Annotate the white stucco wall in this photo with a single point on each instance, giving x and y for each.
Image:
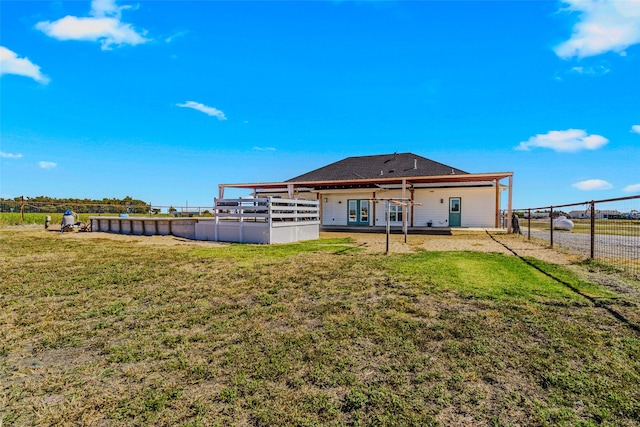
(334, 210)
(477, 206)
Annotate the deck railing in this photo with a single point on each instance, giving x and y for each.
(267, 210)
(265, 220)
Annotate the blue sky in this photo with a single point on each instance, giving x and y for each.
(164, 100)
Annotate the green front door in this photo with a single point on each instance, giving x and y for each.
(455, 212)
(358, 212)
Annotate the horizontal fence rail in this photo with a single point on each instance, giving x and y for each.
(606, 231)
(265, 220)
(267, 209)
(28, 207)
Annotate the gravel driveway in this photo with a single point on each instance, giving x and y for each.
(606, 246)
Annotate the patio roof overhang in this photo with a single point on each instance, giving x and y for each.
(406, 182)
(363, 182)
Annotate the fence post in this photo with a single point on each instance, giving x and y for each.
(593, 228)
(551, 225)
(529, 225)
(22, 209)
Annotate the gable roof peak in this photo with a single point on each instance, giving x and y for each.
(394, 165)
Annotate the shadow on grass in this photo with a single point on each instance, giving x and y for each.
(350, 249)
(619, 316)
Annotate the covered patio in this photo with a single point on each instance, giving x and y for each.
(406, 185)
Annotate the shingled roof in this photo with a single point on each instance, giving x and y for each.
(397, 165)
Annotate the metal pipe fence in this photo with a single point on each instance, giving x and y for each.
(606, 231)
(28, 207)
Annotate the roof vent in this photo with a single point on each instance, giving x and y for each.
(381, 173)
(453, 172)
(415, 163)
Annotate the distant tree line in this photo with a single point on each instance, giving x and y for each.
(46, 204)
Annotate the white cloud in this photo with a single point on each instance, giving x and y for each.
(177, 35)
(5, 155)
(635, 128)
(603, 26)
(570, 140)
(106, 8)
(211, 111)
(634, 188)
(11, 64)
(104, 25)
(593, 184)
(47, 165)
(599, 70)
(264, 148)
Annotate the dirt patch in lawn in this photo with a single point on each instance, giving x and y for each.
(479, 242)
(143, 240)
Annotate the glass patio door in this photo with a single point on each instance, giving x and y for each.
(358, 212)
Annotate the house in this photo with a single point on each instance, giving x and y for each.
(579, 214)
(608, 214)
(603, 214)
(420, 192)
(540, 215)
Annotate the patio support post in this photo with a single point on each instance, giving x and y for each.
(374, 203)
(388, 216)
(497, 221)
(510, 204)
(290, 190)
(412, 191)
(221, 191)
(404, 209)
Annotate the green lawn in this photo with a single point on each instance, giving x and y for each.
(98, 331)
